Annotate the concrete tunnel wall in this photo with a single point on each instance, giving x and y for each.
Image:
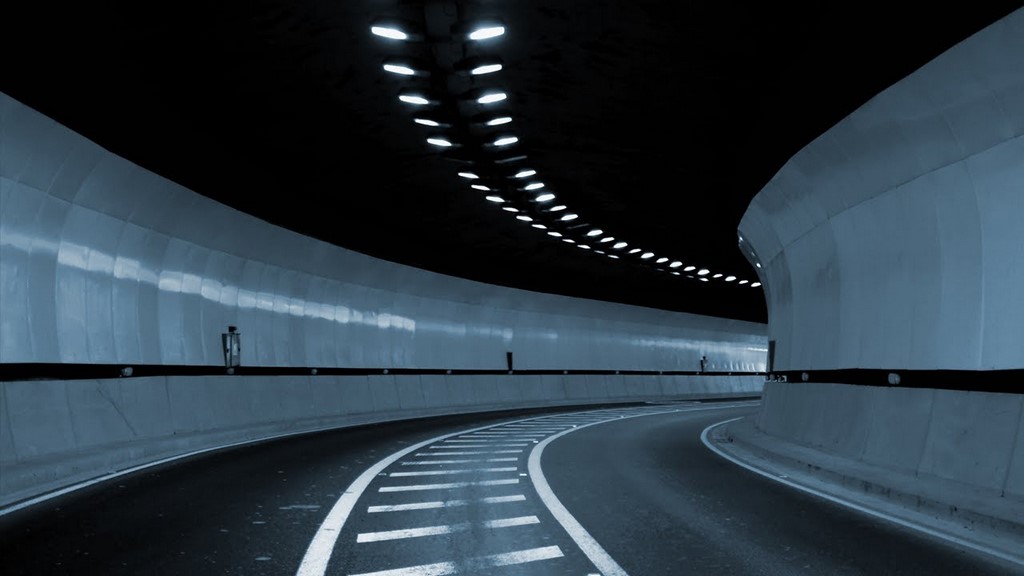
(896, 241)
(104, 262)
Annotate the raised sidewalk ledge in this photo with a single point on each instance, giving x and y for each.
(982, 520)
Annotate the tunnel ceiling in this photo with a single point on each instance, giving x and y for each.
(654, 121)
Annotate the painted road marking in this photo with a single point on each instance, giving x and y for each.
(445, 504)
(318, 553)
(478, 563)
(462, 461)
(443, 529)
(517, 451)
(443, 472)
(448, 485)
(482, 443)
(488, 445)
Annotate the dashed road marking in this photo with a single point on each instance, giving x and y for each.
(462, 461)
(447, 486)
(445, 472)
(445, 504)
(473, 564)
(444, 529)
(472, 453)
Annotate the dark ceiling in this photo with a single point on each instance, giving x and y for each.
(656, 121)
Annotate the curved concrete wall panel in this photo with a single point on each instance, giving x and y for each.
(58, 432)
(894, 240)
(105, 262)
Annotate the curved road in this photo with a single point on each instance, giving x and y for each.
(628, 490)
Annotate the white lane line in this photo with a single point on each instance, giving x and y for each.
(445, 504)
(523, 556)
(517, 451)
(601, 559)
(704, 437)
(577, 532)
(443, 529)
(439, 569)
(478, 563)
(476, 444)
(460, 461)
(445, 472)
(448, 485)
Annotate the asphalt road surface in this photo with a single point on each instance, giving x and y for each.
(628, 490)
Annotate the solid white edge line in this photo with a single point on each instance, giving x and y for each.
(600, 558)
(853, 505)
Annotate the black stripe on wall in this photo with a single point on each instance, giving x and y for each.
(43, 371)
(1005, 381)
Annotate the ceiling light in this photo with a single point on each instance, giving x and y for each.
(634, 250)
(509, 209)
(555, 234)
(647, 255)
(689, 269)
(703, 279)
(534, 186)
(400, 69)
(674, 273)
(485, 69)
(491, 97)
(730, 278)
(606, 239)
(584, 246)
(620, 245)
(497, 199)
(478, 30)
(661, 260)
(703, 272)
(412, 98)
(742, 282)
(569, 240)
(524, 218)
(389, 31)
(499, 121)
(675, 264)
(506, 140)
(558, 208)
(478, 65)
(613, 256)
(525, 173)
(755, 284)
(426, 122)
(468, 175)
(405, 66)
(569, 217)
(485, 32)
(601, 252)
(595, 232)
(439, 142)
(480, 187)
(719, 275)
(540, 226)
(545, 197)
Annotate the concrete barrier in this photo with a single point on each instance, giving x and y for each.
(56, 433)
(973, 438)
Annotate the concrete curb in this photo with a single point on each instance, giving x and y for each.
(984, 520)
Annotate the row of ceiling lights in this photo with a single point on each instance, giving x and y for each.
(477, 115)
